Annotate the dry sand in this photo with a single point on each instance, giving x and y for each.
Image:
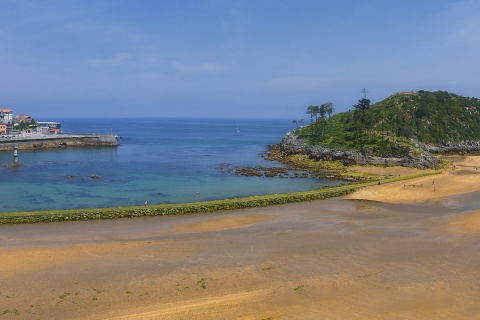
(407, 254)
(463, 178)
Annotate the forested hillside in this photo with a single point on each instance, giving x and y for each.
(392, 127)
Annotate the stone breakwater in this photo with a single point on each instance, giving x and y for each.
(58, 141)
(291, 144)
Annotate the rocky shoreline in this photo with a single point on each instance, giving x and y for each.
(304, 167)
(470, 147)
(291, 144)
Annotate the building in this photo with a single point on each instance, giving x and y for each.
(6, 121)
(24, 118)
(50, 127)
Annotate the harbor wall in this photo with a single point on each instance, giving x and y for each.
(58, 141)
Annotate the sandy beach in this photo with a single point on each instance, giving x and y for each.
(393, 251)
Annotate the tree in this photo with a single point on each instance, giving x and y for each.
(313, 112)
(322, 111)
(329, 111)
(360, 113)
(363, 104)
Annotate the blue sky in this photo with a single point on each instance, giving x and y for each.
(229, 58)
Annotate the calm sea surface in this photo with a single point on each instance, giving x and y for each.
(159, 160)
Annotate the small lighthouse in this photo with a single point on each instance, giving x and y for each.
(15, 156)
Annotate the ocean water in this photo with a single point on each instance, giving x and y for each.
(158, 160)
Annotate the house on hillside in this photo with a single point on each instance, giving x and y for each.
(24, 118)
(24, 124)
(6, 121)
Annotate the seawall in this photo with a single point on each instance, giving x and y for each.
(58, 141)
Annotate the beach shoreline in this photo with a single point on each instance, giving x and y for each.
(338, 258)
(462, 178)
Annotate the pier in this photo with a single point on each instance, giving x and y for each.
(61, 140)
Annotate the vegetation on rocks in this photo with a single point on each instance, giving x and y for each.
(326, 169)
(398, 126)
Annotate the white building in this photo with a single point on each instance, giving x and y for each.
(6, 121)
(6, 116)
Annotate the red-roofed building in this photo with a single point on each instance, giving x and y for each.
(24, 118)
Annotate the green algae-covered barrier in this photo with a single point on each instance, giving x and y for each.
(187, 208)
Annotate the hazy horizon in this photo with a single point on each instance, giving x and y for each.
(227, 59)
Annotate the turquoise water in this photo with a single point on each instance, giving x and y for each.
(158, 160)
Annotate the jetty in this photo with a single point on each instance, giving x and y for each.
(59, 140)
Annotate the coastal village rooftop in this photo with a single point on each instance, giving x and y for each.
(23, 132)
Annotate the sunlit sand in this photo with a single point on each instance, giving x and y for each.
(407, 253)
(463, 178)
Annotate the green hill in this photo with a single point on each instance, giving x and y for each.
(394, 126)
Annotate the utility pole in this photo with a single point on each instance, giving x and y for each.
(364, 91)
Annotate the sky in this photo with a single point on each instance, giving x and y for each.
(229, 58)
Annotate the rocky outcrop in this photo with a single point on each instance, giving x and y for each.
(453, 147)
(291, 144)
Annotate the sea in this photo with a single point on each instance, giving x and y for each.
(159, 160)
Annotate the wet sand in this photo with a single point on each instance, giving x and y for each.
(405, 254)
